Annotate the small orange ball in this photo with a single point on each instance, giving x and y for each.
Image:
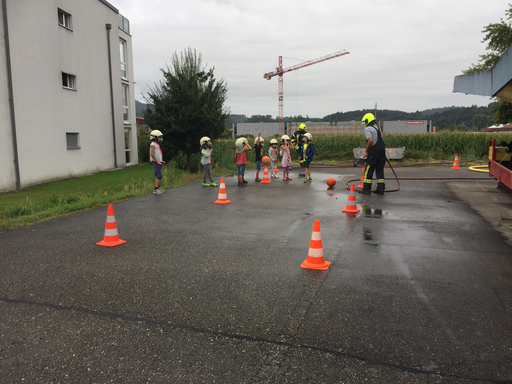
(265, 160)
(331, 181)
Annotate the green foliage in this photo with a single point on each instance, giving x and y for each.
(498, 37)
(503, 112)
(143, 143)
(186, 105)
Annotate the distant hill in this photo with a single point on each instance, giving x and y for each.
(465, 118)
(139, 108)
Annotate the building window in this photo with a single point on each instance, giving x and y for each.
(126, 116)
(64, 19)
(68, 81)
(122, 54)
(72, 140)
(124, 23)
(127, 145)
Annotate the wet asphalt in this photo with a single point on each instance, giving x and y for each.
(419, 289)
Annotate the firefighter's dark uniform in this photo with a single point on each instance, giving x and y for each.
(376, 159)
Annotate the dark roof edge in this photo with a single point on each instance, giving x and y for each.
(110, 6)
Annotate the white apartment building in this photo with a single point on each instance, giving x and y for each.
(66, 91)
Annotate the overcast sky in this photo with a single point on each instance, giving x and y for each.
(404, 54)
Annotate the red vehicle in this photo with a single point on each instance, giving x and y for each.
(142, 127)
(500, 164)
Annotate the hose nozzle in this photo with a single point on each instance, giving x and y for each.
(358, 161)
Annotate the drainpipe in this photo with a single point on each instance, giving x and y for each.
(11, 97)
(109, 27)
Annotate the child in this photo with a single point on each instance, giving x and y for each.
(206, 160)
(286, 160)
(272, 154)
(157, 159)
(258, 147)
(241, 159)
(306, 154)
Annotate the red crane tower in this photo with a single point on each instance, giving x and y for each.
(280, 71)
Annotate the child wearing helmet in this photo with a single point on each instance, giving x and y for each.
(306, 154)
(272, 154)
(157, 159)
(286, 160)
(258, 148)
(206, 161)
(242, 146)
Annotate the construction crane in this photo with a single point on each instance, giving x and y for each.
(280, 71)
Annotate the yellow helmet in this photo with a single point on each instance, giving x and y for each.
(368, 118)
(302, 127)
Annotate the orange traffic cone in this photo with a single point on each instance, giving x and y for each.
(276, 171)
(315, 258)
(456, 162)
(223, 197)
(266, 179)
(111, 238)
(362, 179)
(351, 206)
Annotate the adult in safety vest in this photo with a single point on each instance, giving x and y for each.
(297, 137)
(375, 154)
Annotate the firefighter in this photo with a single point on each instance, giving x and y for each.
(297, 137)
(375, 154)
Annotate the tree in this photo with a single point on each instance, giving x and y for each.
(498, 37)
(480, 121)
(187, 105)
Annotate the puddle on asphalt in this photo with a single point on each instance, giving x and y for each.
(368, 211)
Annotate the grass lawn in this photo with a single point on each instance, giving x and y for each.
(48, 201)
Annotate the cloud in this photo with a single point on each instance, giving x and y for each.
(403, 54)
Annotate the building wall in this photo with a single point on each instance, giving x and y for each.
(7, 174)
(41, 50)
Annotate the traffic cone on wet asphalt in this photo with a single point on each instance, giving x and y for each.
(362, 179)
(223, 197)
(111, 237)
(315, 258)
(266, 179)
(351, 206)
(456, 162)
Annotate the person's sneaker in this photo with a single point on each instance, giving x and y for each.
(257, 180)
(206, 185)
(305, 180)
(163, 190)
(288, 179)
(242, 185)
(214, 184)
(157, 191)
(310, 179)
(245, 181)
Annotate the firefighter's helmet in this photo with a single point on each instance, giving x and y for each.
(204, 139)
(368, 118)
(262, 140)
(155, 134)
(285, 137)
(239, 143)
(309, 136)
(273, 141)
(302, 127)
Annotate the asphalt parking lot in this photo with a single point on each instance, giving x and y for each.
(419, 289)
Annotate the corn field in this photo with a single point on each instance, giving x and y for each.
(437, 146)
